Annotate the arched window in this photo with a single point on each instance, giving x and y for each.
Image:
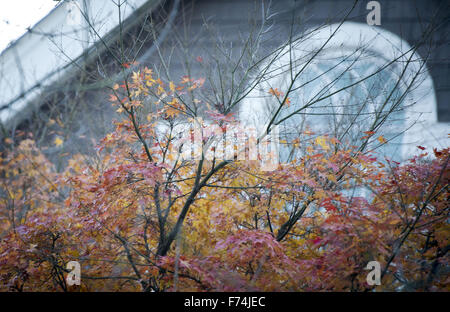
(344, 80)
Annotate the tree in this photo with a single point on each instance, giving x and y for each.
(138, 216)
(154, 209)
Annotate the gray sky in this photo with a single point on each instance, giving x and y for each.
(17, 15)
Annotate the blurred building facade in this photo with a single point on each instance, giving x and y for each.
(53, 78)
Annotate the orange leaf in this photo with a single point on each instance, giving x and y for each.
(381, 139)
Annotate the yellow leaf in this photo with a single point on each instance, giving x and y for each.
(159, 90)
(171, 112)
(135, 76)
(60, 123)
(58, 141)
(332, 178)
(321, 141)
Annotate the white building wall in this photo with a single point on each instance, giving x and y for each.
(43, 55)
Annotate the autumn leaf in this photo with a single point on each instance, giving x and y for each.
(275, 92)
(185, 79)
(287, 102)
(172, 86)
(58, 141)
(381, 139)
(160, 90)
(322, 142)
